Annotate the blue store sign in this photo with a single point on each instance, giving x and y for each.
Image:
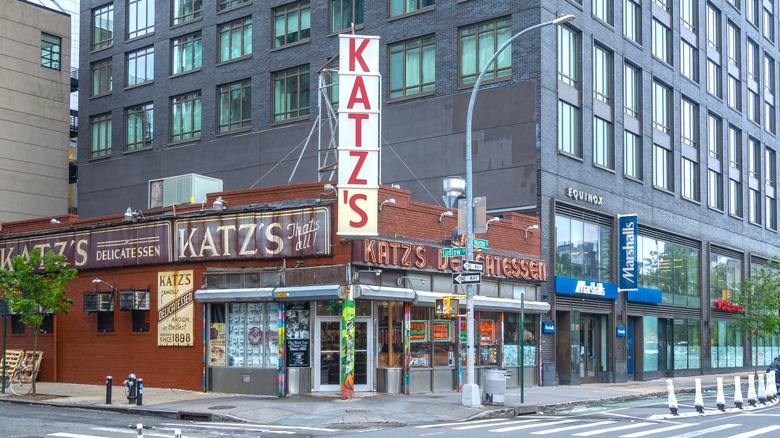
(548, 327)
(620, 332)
(645, 295)
(627, 239)
(585, 288)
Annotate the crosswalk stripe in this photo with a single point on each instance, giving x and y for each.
(528, 426)
(756, 432)
(653, 431)
(564, 429)
(613, 429)
(72, 435)
(706, 431)
(429, 426)
(477, 426)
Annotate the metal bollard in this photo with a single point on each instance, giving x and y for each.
(109, 379)
(140, 388)
(177, 433)
(139, 430)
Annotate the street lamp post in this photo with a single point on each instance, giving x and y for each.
(470, 395)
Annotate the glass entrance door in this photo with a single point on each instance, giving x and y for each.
(328, 343)
(589, 349)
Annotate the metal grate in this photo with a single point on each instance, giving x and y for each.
(653, 233)
(663, 310)
(583, 215)
(246, 378)
(727, 252)
(587, 305)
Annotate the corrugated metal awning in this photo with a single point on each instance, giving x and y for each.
(384, 293)
(488, 304)
(324, 292)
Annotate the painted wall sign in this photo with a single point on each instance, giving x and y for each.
(412, 255)
(579, 195)
(175, 317)
(627, 269)
(130, 245)
(359, 122)
(585, 288)
(261, 235)
(620, 332)
(548, 327)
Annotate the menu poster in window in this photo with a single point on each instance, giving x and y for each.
(297, 334)
(418, 331)
(298, 353)
(441, 330)
(217, 344)
(487, 335)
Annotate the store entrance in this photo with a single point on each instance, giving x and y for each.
(589, 349)
(328, 344)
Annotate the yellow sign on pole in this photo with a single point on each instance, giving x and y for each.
(175, 304)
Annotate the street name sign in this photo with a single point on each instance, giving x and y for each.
(453, 252)
(479, 243)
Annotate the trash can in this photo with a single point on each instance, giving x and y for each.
(495, 386)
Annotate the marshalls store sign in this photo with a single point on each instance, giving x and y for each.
(359, 122)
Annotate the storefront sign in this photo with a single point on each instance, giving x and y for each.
(217, 344)
(442, 330)
(728, 306)
(548, 327)
(412, 255)
(579, 195)
(297, 339)
(115, 247)
(175, 319)
(263, 235)
(487, 332)
(620, 332)
(359, 122)
(418, 331)
(585, 288)
(645, 295)
(627, 233)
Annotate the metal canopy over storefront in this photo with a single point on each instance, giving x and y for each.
(487, 304)
(324, 292)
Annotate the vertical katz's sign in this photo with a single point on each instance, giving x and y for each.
(359, 123)
(175, 317)
(627, 275)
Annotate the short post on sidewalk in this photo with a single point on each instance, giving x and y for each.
(140, 388)
(109, 379)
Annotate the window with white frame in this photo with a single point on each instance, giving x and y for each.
(603, 143)
(632, 89)
(602, 74)
(632, 20)
(661, 41)
(632, 155)
(690, 180)
(661, 107)
(569, 129)
(568, 56)
(689, 123)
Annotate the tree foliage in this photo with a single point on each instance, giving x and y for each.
(34, 286)
(760, 297)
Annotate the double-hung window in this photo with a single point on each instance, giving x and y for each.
(140, 129)
(568, 56)
(186, 10)
(478, 43)
(412, 67)
(185, 117)
(101, 77)
(140, 66)
(401, 7)
(292, 23)
(101, 135)
(234, 106)
(291, 93)
(103, 27)
(140, 18)
(344, 13)
(186, 53)
(235, 39)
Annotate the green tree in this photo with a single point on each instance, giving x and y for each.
(760, 298)
(34, 286)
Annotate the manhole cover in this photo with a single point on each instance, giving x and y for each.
(219, 408)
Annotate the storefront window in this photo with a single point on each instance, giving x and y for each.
(390, 339)
(672, 268)
(488, 339)
(768, 349)
(334, 308)
(725, 276)
(726, 345)
(686, 352)
(582, 249)
(650, 345)
(244, 335)
(513, 339)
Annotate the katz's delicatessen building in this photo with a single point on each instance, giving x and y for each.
(264, 297)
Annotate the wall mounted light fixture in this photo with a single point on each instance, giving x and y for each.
(386, 201)
(532, 228)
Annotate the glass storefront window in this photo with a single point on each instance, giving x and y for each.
(582, 249)
(768, 349)
(725, 276)
(650, 343)
(390, 339)
(686, 352)
(672, 268)
(432, 340)
(244, 335)
(726, 345)
(513, 339)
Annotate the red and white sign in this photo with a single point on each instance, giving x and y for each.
(359, 127)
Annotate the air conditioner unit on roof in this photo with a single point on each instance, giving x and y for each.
(181, 189)
(134, 300)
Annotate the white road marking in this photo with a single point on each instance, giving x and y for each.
(706, 431)
(613, 429)
(756, 432)
(477, 426)
(564, 429)
(73, 435)
(248, 426)
(529, 425)
(663, 429)
(429, 426)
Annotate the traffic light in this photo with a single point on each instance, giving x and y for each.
(442, 306)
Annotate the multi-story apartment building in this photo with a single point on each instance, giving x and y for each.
(663, 109)
(34, 94)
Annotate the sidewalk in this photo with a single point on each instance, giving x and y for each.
(365, 410)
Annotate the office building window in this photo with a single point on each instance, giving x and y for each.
(227, 4)
(582, 249)
(715, 189)
(770, 160)
(292, 23)
(752, 60)
(343, 13)
(661, 108)
(632, 90)
(663, 4)
(734, 93)
(186, 53)
(754, 158)
(751, 11)
(103, 27)
(291, 93)
(713, 27)
(185, 117)
(661, 42)
(753, 107)
(234, 106)
(768, 25)
(101, 77)
(674, 269)
(186, 10)
(771, 213)
(771, 188)
(140, 66)
(735, 198)
(769, 118)
(632, 155)
(689, 61)
(714, 136)
(734, 3)
(401, 7)
(662, 168)
(140, 18)
(568, 56)
(734, 44)
(101, 135)
(477, 45)
(602, 9)
(569, 129)
(690, 180)
(735, 147)
(140, 129)
(235, 39)
(713, 78)
(769, 76)
(689, 123)
(412, 67)
(603, 143)
(632, 20)
(51, 51)
(602, 74)
(688, 14)
(754, 206)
